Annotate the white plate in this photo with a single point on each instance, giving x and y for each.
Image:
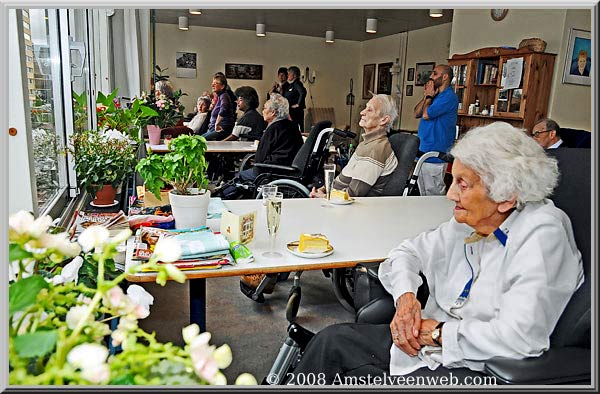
(342, 202)
(115, 202)
(292, 247)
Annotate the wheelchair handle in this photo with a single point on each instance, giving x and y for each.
(344, 133)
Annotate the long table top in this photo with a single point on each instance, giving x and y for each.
(215, 147)
(361, 232)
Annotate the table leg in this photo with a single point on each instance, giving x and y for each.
(198, 302)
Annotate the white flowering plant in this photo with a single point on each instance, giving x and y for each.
(60, 329)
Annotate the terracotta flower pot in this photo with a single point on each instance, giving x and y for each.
(105, 196)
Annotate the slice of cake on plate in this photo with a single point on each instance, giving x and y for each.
(339, 195)
(313, 243)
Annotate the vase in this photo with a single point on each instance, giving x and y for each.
(105, 196)
(189, 211)
(154, 134)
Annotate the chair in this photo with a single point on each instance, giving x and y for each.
(574, 138)
(568, 361)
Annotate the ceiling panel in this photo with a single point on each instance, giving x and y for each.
(348, 24)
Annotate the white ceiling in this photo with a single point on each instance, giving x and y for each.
(348, 24)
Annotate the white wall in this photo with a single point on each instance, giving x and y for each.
(334, 63)
(570, 105)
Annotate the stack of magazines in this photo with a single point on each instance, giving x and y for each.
(200, 247)
(113, 221)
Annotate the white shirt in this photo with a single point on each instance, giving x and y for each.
(519, 290)
(196, 121)
(556, 144)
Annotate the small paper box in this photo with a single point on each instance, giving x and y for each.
(238, 227)
(150, 200)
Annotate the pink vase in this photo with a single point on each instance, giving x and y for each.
(154, 134)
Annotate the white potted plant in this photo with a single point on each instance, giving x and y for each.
(184, 168)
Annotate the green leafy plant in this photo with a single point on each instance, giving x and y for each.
(169, 110)
(128, 120)
(183, 167)
(101, 159)
(59, 332)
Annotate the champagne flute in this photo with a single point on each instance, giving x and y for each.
(329, 177)
(266, 191)
(274, 202)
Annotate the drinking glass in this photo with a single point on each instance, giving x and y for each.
(266, 191)
(329, 177)
(274, 202)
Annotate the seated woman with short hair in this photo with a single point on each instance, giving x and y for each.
(200, 121)
(500, 273)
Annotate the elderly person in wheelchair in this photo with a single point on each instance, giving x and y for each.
(373, 163)
(500, 273)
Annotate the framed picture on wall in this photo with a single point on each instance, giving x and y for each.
(410, 74)
(186, 64)
(423, 71)
(384, 78)
(368, 80)
(243, 71)
(578, 59)
(409, 90)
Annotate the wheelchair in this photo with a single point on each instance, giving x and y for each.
(567, 361)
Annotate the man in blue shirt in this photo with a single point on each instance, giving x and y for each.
(437, 129)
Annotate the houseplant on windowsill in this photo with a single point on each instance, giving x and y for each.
(182, 168)
(102, 161)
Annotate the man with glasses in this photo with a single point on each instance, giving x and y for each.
(546, 132)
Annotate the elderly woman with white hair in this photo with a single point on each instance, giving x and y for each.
(372, 164)
(500, 273)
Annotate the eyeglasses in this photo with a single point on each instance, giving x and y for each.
(537, 133)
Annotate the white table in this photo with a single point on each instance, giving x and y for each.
(364, 231)
(215, 147)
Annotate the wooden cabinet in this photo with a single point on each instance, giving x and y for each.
(482, 76)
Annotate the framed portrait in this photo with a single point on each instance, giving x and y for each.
(186, 64)
(243, 71)
(578, 59)
(410, 74)
(368, 80)
(409, 90)
(423, 71)
(384, 78)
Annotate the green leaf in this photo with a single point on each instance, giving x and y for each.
(36, 344)
(17, 253)
(123, 379)
(23, 293)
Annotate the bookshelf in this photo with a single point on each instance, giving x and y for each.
(478, 75)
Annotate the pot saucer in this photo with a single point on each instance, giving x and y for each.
(115, 202)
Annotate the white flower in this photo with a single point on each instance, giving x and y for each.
(97, 374)
(70, 272)
(83, 299)
(138, 295)
(246, 379)
(121, 236)
(118, 336)
(113, 134)
(93, 236)
(20, 222)
(40, 226)
(220, 379)
(75, 314)
(223, 356)
(116, 297)
(167, 250)
(175, 273)
(201, 354)
(87, 356)
(190, 332)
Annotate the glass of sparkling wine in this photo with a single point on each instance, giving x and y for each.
(266, 191)
(329, 177)
(274, 202)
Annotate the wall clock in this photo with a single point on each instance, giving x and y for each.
(499, 14)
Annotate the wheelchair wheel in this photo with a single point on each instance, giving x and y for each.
(290, 188)
(247, 162)
(343, 287)
(293, 304)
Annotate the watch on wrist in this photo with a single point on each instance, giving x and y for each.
(436, 334)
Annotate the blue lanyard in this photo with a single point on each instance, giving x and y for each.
(464, 295)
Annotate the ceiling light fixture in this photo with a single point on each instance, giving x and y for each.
(434, 13)
(371, 25)
(195, 11)
(261, 29)
(329, 36)
(183, 23)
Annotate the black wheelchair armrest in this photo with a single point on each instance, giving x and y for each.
(278, 167)
(379, 311)
(556, 366)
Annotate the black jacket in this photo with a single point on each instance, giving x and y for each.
(296, 94)
(279, 144)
